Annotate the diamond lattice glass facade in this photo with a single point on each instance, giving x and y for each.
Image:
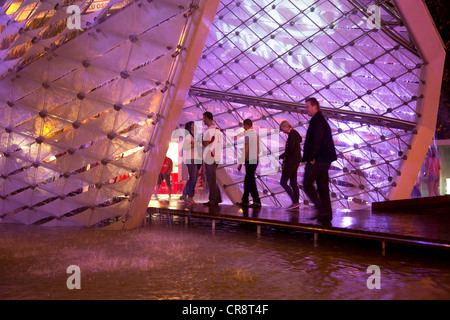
(86, 111)
(81, 108)
(263, 59)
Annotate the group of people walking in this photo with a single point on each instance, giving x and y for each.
(318, 154)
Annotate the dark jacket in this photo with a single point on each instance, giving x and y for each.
(292, 153)
(319, 143)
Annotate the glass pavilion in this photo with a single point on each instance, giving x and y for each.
(87, 112)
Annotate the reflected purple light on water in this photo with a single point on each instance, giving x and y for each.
(175, 262)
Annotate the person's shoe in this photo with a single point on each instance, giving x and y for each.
(325, 221)
(325, 218)
(191, 201)
(183, 198)
(215, 204)
(293, 206)
(211, 203)
(322, 216)
(243, 204)
(256, 205)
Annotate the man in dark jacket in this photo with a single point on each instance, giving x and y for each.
(291, 160)
(319, 152)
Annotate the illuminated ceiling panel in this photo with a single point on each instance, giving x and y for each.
(263, 59)
(289, 50)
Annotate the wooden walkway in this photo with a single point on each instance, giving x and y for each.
(429, 228)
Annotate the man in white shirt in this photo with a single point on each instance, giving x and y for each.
(250, 159)
(212, 154)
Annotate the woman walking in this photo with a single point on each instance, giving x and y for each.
(191, 163)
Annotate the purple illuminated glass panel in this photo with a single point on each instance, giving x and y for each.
(291, 50)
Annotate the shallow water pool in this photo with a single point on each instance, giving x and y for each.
(178, 261)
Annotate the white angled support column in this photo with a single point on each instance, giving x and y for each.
(183, 75)
(430, 46)
(228, 185)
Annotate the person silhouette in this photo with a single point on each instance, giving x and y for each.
(432, 168)
(319, 152)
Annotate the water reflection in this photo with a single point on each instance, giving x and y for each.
(250, 212)
(189, 262)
